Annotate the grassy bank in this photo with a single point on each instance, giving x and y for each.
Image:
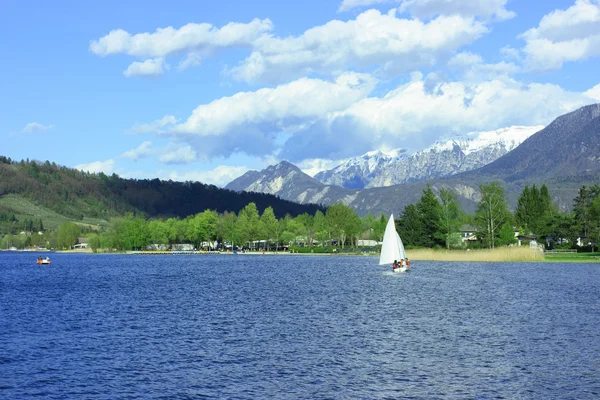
(574, 257)
(484, 255)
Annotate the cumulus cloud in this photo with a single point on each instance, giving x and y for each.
(96, 167)
(194, 41)
(373, 39)
(219, 176)
(142, 151)
(315, 165)
(191, 37)
(474, 68)
(150, 67)
(311, 119)
(429, 8)
(412, 117)
(564, 35)
(286, 107)
(177, 155)
(35, 127)
(155, 126)
(594, 93)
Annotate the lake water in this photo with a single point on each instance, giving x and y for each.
(249, 327)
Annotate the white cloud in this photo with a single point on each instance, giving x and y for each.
(96, 167)
(177, 155)
(429, 8)
(373, 39)
(155, 126)
(143, 150)
(191, 60)
(315, 165)
(474, 69)
(594, 93)
(564, 35)
(315, 119)
(285, 107)
(219, 176)
(465, 59)
(193, 41)
(411, 116)
(150, 67)
(34, 127)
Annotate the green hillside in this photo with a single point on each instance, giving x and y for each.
(33, 190)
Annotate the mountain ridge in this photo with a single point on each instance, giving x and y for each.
(578, 132)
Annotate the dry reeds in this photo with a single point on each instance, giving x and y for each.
(484, 255)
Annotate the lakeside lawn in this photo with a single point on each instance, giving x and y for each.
(573, 257)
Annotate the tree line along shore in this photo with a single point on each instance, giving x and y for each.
(434, 222)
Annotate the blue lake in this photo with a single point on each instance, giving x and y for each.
(248, 327)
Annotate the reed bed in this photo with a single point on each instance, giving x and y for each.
(484, 255)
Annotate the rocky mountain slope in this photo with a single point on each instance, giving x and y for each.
(444, 158)
(564, 155)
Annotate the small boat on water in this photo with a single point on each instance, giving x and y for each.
(392, 249)
(41, 260)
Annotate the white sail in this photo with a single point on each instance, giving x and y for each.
(392, 248)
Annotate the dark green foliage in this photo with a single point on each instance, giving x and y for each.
(430, 212)
(492, 213)
(582, 208)
(74, 194)
(534, 210)
(410, 226)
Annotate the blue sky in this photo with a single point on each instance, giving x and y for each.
(204, 90)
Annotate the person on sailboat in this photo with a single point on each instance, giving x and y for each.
(401, 262)
(407, 263)
(395, 265)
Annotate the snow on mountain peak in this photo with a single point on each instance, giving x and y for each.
(510, 137)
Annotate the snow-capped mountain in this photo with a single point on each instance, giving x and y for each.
(357, 173)
(443, 158)
(564, 155)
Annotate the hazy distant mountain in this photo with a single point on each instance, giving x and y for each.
(564, 155)
(444, 158)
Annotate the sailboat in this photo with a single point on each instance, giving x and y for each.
(392, 248)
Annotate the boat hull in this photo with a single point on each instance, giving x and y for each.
(401, 269)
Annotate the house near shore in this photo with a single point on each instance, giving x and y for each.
(82, 244)
(468, 234)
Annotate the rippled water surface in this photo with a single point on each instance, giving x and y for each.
(128, 327)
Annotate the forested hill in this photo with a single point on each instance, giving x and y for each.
(78, 194)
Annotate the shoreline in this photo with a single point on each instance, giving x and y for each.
(503, 255)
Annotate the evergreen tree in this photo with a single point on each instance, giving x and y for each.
(582, 208)
(410, 226)
(429, 211)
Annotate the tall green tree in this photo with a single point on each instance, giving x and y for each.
(492, 212)
(430, 211)
(379, 228)
(321, 227)
(449, 216)
(271, 226)
(227, 227)
(157, 231)
(68, 233)
(249, 226)
(582, 208)
(134, 233)
(410, 226)
(337, 216)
